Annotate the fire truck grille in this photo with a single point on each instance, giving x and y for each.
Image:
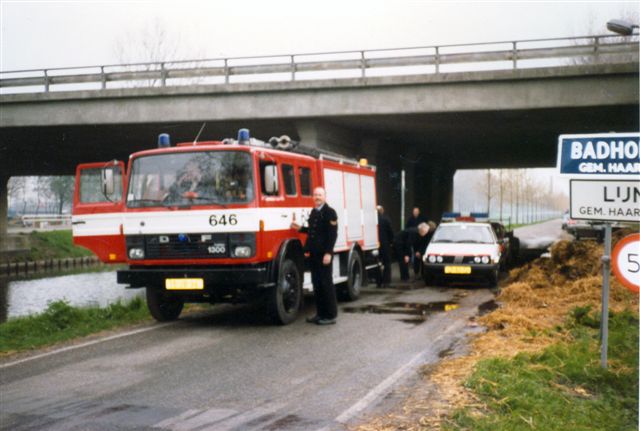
(183, 246)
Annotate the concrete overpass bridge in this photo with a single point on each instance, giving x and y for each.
(428, 110)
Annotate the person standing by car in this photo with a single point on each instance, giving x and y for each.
(322, 232)
(413, 221)
(385, 236)
(408, 240)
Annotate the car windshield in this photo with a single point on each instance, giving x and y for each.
(463, 234)
(196, 178)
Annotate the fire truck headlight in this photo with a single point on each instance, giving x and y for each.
(432, 258)
(242, 245)
(242, 251)
(485, 259)
(136, 253)
(440, 259)
(477, 259)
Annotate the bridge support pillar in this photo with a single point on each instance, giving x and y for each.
(434, 189)
(387, 176)
(4, 205)
(326, 136)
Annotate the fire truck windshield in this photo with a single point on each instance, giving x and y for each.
(196, 178)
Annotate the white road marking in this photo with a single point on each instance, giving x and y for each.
(383, 387)
(88, 343)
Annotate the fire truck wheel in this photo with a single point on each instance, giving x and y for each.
(163, 309)
(351, 290)
(285, 297)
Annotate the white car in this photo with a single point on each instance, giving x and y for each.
(462, 251)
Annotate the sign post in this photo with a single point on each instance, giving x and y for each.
(604, 172)
(604, 321)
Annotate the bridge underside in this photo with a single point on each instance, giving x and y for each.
(464, 140)
(430, 147)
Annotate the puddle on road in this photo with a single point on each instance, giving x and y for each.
(419, 312)
(487, 307)
(445, 353)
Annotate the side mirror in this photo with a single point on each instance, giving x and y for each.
(271, 179)
(108, 182)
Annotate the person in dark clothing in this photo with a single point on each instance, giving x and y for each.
(413, 221)
(322, 232)
(408, 240)
(385, 237)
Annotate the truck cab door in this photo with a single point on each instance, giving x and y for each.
(98, 203)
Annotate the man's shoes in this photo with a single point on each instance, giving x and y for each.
(313, 319)
(326, 322)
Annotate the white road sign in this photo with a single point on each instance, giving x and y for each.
(605, 200)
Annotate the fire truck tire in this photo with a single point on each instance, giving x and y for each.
(350, 291)
(163, 309)
(285, 298)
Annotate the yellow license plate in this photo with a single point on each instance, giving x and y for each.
(184, 284)
(457, 269)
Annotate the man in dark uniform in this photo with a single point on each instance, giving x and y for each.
(413, 221)
(385, 236)
(408, 240)
(321, 237)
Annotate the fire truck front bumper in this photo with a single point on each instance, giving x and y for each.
(258, 275)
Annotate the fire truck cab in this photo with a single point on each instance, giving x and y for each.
(210, 222)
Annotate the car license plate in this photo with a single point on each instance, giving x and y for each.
(457, 269)
(184, 283)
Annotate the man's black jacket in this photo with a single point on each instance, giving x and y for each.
(410, 238)
(385, 231)
(322, 231)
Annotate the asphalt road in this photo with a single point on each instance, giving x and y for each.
(541, 235)
(226, 369)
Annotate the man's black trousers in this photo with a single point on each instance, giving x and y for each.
(323, 289)
(385, 257)
(404, 269)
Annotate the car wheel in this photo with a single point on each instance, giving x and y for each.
(285, 298)
(493, 278)
(161, 307)
(355, 276)
(427, 277)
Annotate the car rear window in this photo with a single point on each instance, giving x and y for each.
(463, 234)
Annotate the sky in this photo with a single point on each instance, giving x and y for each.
(47, 34)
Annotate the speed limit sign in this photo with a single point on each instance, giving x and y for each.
(626, 262)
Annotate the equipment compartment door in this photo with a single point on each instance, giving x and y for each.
(97, 217)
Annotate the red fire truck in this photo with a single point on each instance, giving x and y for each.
(210, 221)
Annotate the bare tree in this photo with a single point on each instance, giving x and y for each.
(152, 48)
(17, 190)
(597, 28)
(61, 188)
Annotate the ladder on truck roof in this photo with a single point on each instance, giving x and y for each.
(321, 154)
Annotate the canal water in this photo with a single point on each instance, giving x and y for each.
(80, 289)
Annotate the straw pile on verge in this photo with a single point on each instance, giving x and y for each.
(534, 304)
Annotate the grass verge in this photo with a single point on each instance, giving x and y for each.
(563, 387)
(529, 335)
(57, 244)
(62, 322)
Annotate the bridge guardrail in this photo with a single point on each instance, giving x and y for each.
(364, 63)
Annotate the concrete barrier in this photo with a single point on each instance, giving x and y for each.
(32, 267)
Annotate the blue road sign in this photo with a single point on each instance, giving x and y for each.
(609, 154)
